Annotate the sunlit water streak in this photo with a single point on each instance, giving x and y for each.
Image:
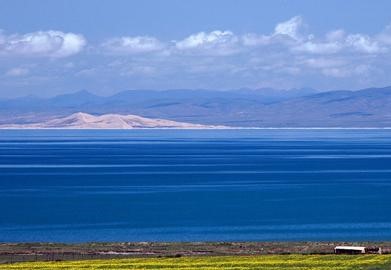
(176, 185)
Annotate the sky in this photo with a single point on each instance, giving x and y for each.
(54, 47)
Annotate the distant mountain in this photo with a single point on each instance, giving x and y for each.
(107, 121)
(242, 108)
(200, 106)
(364, 108)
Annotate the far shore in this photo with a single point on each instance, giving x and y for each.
(211, 128)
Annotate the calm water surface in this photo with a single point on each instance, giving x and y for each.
(176, 185)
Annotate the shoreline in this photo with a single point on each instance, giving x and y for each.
(224, 128)
(27, 252)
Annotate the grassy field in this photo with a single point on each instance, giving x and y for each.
(260, 262)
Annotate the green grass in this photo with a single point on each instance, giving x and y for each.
(261, 262)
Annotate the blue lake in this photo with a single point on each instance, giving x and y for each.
(195, 185)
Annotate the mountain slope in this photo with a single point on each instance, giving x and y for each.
(364, 108)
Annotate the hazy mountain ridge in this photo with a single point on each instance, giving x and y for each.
(243, 108)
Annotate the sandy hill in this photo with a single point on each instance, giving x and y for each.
(107, 121)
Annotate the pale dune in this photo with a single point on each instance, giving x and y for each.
(107, 121)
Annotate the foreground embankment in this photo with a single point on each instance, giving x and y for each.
(31, 252)
(259, 262)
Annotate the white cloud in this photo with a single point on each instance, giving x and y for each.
(87, 72)
(346, 71)
(337, 67)
(216, 42)
(203, 39)
(287, 52)
(335, 35)
(287, 37)
(336, 72)
(333, 43)
(17, 72)
(139, 71)
(133, 45)
(290, 28)
(252, 39)
(385, 36)
(284, 33)
(338, 41)
(42, 44)
(363, 43)
(324, 62)
(319, 47)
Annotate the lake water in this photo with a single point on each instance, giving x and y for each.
(195, 185)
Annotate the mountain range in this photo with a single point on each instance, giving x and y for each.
(237, 108)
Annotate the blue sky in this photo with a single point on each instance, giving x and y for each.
(52, 47)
